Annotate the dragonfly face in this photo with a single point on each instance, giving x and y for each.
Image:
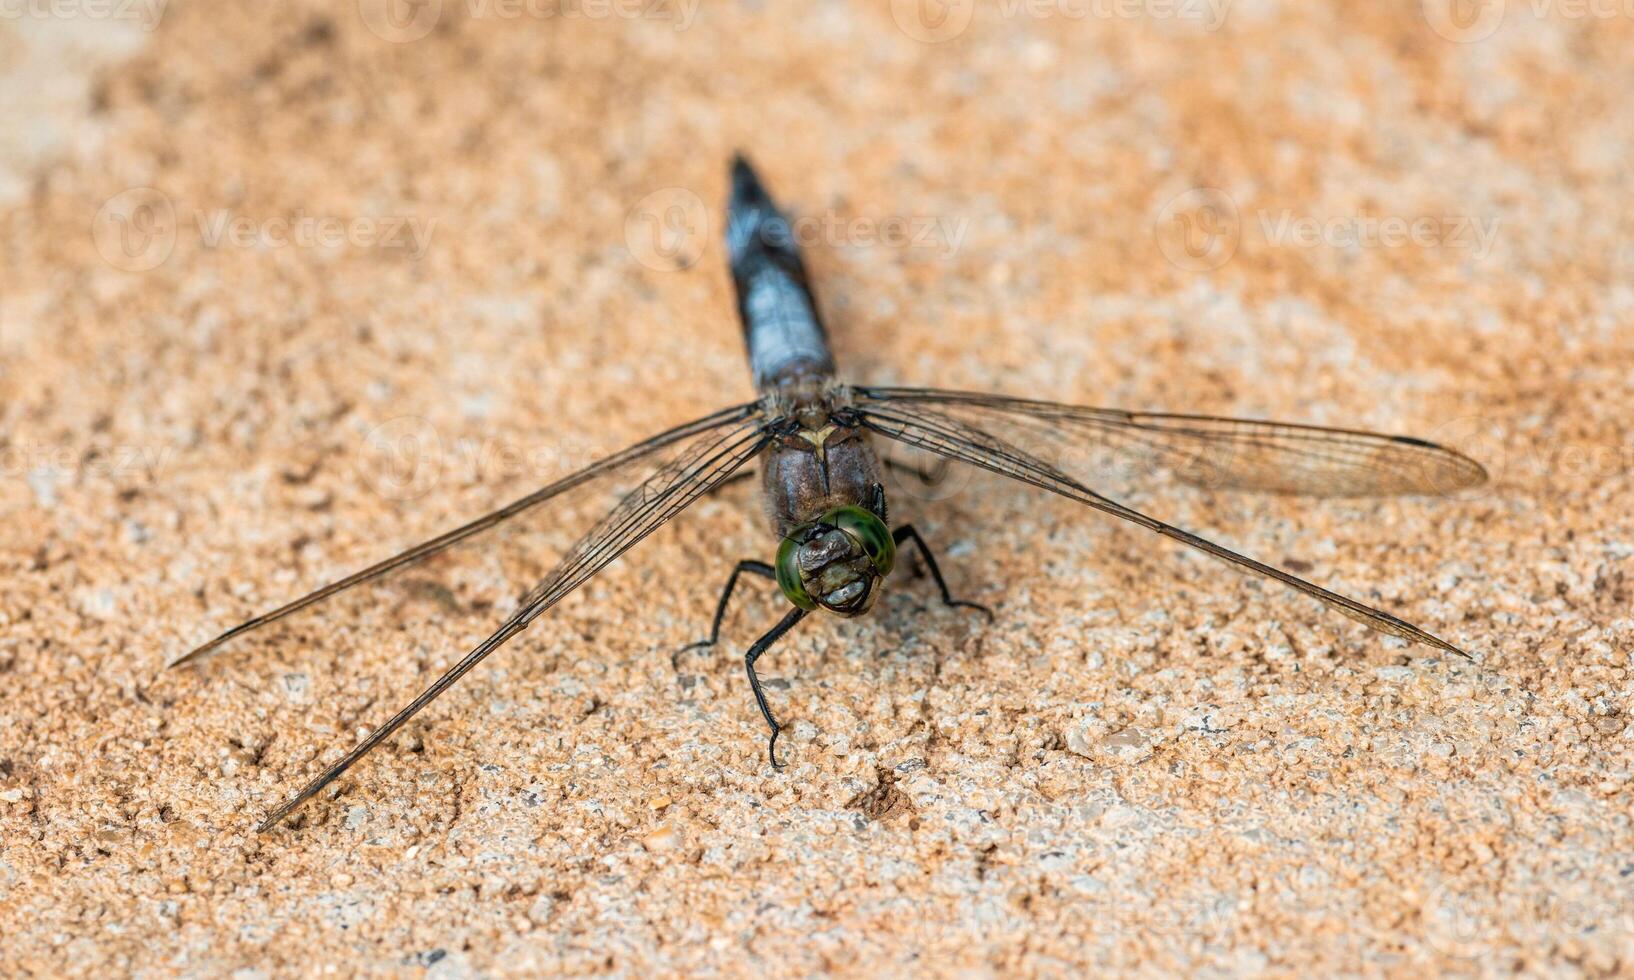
(836, 562)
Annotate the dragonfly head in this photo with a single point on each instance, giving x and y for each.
(836, 561)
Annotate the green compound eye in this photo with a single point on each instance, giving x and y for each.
(788, 576)
(870, 532)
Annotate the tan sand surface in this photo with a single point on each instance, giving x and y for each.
(284, 286)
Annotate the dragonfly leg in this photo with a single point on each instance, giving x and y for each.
(907, 533)
(747, 565)
(761, 646)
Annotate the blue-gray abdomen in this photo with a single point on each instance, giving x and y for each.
(785, 335)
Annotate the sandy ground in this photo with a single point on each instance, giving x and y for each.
(287, 286)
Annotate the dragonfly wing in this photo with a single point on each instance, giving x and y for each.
(917, 424)
(1203, 450)
(611, 467)
(707, 462)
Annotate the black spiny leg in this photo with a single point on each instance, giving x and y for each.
(760, 647)
(907, 533)
(747, 565)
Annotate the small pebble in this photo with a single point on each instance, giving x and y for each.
(662, 838)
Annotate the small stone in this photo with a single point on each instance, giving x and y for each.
(662, 838)
(540, 911)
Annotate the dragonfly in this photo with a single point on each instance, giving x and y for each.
(822, 483)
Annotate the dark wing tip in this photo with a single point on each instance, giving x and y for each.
(1441, 644)
(198, 653)
(1460, 472)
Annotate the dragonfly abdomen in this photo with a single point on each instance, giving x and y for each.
(785, 335)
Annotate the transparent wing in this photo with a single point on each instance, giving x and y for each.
(916, 424)
(706, 463)
(600, 473)
(1202, 450)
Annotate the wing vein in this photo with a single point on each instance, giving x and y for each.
(668, 491)
(1216, 452)
(949, 437)
(448, 539)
